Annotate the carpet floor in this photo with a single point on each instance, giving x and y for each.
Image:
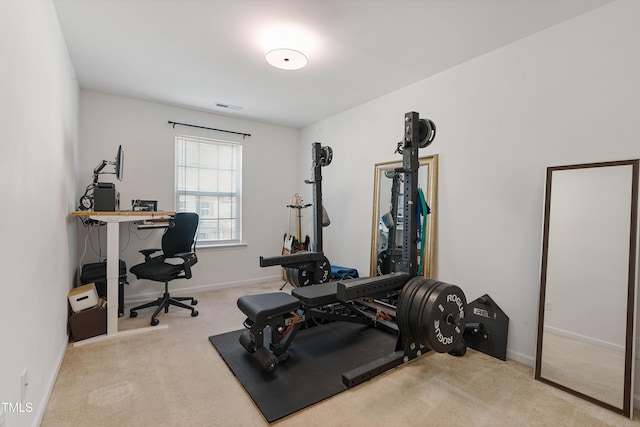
(175, 377)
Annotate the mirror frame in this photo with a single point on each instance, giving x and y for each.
(430, 189)
(627, 404)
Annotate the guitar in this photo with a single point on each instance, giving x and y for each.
(293, 243)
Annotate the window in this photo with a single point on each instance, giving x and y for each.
(209, 182)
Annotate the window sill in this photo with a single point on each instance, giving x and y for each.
(234, 245)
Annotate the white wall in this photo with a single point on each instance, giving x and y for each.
(38, 157)
(269, 178)
(566, 95)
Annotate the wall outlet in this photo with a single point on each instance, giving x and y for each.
(548, 305)
(24, 382)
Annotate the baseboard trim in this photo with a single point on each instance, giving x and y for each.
(584, 338)
(525, 359)
(139, 298)
(51, 382)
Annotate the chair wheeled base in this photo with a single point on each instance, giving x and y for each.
(164, 302)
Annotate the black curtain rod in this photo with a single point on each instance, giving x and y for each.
(244, 135)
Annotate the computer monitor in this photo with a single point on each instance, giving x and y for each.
(119, 163)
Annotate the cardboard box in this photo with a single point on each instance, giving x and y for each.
(83, 297)
(90, 322)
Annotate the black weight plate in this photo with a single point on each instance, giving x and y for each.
(323, 271)
(293, 276)
(404, 303)
(410, 310)
(418, 306)
(304, 277)
(421, 310)
(426, 133)
(415, 297)
(444, 318)
(426, 314)
(454, 318)
(326, 156)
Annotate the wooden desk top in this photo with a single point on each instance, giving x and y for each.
(124, 213)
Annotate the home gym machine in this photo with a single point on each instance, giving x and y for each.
(305, 268)
(424, 314)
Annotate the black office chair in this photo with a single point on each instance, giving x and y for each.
(178, 242)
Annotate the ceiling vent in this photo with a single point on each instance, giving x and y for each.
(228, 106)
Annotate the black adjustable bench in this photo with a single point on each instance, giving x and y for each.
(317, 295)
(280, 315)
(348, 290)
(277, 314)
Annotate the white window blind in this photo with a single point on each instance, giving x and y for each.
(209, 182)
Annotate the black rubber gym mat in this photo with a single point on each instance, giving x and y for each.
(317, 358)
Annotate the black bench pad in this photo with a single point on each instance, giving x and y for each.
(317, 295)
(262, 307)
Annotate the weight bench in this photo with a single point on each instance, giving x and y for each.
(317, 295)
(349, 290)
(273, 319)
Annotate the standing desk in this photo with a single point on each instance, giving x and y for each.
(113, 220)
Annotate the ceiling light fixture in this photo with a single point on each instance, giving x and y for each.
(286, 59)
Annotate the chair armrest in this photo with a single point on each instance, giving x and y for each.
(189, 259)
(147, 253)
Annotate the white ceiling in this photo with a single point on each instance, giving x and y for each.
(196, 53)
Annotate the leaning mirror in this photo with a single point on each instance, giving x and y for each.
(588, 281)
(386, 242)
